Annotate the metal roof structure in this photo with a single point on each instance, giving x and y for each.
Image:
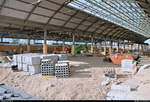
(62, 18)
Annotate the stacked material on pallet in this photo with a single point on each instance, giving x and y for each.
(28, 62)
(8, 93)
(31, 64)
(62, 69)
(48, 65)
(34, 63)
(128, 65)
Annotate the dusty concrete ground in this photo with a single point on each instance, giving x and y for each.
(84, 83)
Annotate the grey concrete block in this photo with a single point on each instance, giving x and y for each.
(121, 87)
(34, 69)
(2, 90)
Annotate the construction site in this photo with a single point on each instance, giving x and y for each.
(74, 50)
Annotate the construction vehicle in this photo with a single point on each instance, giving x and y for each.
(80, 48)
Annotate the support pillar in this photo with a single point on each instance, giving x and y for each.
(145, 47)
(34, 41)
(138, 48)
(124, 49)
(131, 47)
(118, 46)
(142, 47)
(100, 47)
(73, 46)
(92, 46)
(105, 49)
(1, 39)
(45, 43)
(110, 47)
(63, 46)
(28, 46)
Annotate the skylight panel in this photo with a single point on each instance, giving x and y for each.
(126, 14)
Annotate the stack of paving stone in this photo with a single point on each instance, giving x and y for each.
(28, 62)
(62, 69)
(8, 93)
(48, 65)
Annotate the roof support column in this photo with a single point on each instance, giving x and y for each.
(110, 47)
(92, 45)
(118, 46)
(145, 47)
(128, 47)
(34, 41)
(63, 46)
(105, 48)
(132, 47)
(142, 49)
(45, 42)
(1, 39)
(73, 45)
(138, 47)
(100, 46)
(29, 46)
(124, 46)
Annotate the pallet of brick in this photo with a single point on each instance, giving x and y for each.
(15, 59)
(33, 60)
(19, 58)
(20, 66)
(62, 70)
(34, 69)
(25, 67)
(47, 67)
(50, 56)
(64, 61)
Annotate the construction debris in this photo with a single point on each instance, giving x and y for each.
(106, 82)
(8, 93)
(110, 73)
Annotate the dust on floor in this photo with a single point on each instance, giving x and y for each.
(84, 83)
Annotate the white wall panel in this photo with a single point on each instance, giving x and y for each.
(61, 16)
(57, 22)
(42, 11)
(13, 13)
(67, 11)
(59, 1)
(91, 29)
(38, 18)
(18, 5)
(86, 23)
(82, 27)
(49, 5)
(29, 1)
(76, 20)
(71, 25)
(81, 15)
